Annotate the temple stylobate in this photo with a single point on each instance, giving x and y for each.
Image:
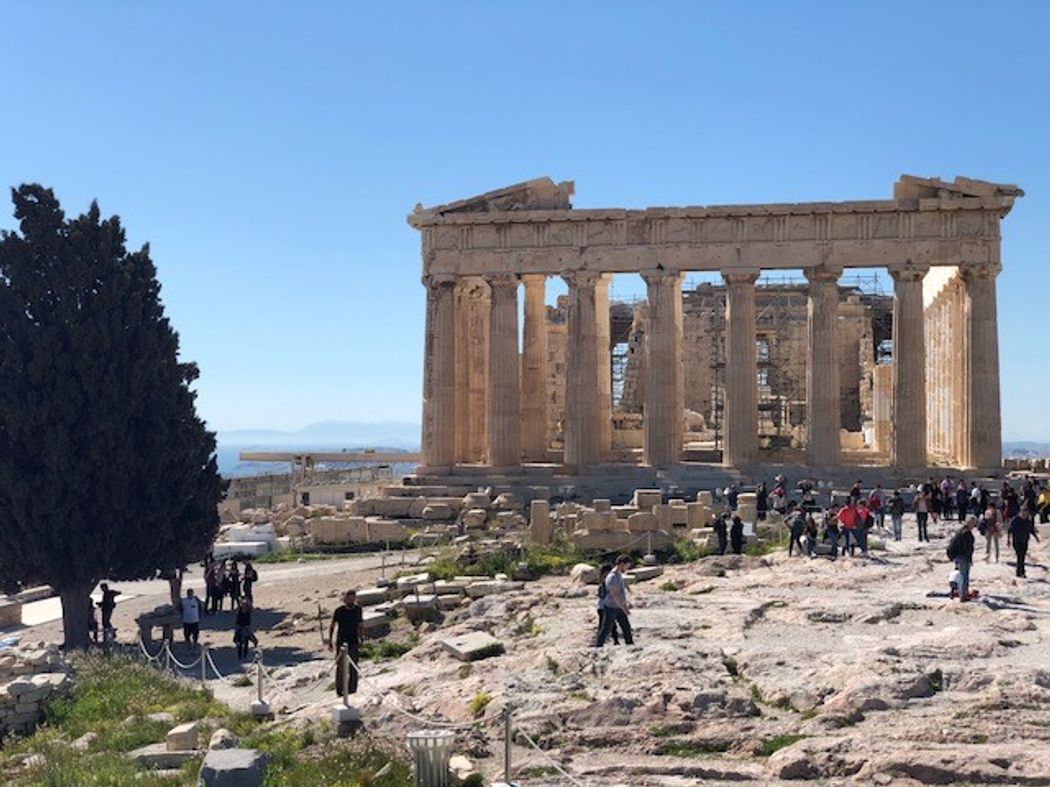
(486, 377)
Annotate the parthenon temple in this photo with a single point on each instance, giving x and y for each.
(844, 377)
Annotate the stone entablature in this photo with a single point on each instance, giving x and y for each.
(956, 223)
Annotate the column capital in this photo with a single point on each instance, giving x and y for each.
(971, 271)
(580, 278)
(533, 279)
(433, 281)
(741, 276)
(822, 273)
(501, 280)
(909, 272)
(659, 276)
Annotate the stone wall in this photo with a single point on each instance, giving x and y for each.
(29, 679)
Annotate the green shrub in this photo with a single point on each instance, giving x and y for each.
(775, 744)
(478, 703)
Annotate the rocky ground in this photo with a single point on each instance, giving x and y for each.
(745, 670)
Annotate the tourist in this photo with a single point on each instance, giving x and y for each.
(864, 523)
(242, 631)
(107, 605)
(947, 498)
(797, 522)
(761, 500)
(1043, 503)
(855, 493)
(847, 519)
(1010, 502)
(1030, 497)
(962, 501)
(960, 550)
(190, 612)
(990, 527)
(220, 586)
(1020, 530)
(896, 507)
(736, 535)
(603, 574)
(617, 607)
(831, 532)
(921, 505)
(732, 494)
(346, 625)
(933, 496)
(779, 496)
(811, 536)
(251, 576)
(232, 586)
(877, 506)
(720, 533)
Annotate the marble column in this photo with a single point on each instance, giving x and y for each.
(504, 421)
(662, 410)
(983, 437)
(534, 370)
(604, 352)
(909, 368)
(439, 379)
(472, 343)
(740, 420)
(823, 394)
(582, 427)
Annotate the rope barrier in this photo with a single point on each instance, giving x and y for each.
(550, 760)
(178, 663)
(146, 653)
(211, 663)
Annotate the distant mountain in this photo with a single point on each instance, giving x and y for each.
(1024, 448)
(322, 436)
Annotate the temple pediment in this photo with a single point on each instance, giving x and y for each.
(538, 194)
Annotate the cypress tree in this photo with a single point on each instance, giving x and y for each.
(106, 471)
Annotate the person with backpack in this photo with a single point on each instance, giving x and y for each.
(797, 522)
(617, 607)
(1021, 529)
(603, 574)
(990, 527)
(960, 550)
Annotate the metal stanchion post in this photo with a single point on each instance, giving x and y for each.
(344, 684)
(507, 713)
(260, 708)
(204, 666)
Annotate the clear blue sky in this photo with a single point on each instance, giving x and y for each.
(270, 152)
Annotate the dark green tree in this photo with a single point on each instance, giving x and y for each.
(105, 469)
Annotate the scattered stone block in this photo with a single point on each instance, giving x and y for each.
(473, 646)
(83, 743)
(643, 573)
(184, 737)
(438, 512)
(477, 500)
(642, 522)
(584, 574)
(540, 530)
(475, 518)
(232, 768)
(157, 757)
(223, 739)
(508, 501)
(479, 589)
(602, 505)
(645, 499)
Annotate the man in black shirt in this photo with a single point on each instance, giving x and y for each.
(346, 624)
(1022, 527)
(107, 605)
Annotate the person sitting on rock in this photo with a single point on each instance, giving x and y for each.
(736, 535)
(603, 591)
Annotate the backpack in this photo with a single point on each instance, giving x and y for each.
(953, 547)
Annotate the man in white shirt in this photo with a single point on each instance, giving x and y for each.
(191, 617)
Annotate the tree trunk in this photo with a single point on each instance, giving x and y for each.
(76, 615)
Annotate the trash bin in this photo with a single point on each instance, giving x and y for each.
(431, 751)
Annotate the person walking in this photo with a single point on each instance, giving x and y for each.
(219, 585)
(736, 535)
(960, 550)
(242, 631)
(233, 585)
(1020, 530)
(603, 591)
(346, 625)
(209, 581)
(847, 518)
(617, 607)
(990, 527)
(896, 507)
(877, 506)
(962, 501)
(190, 613)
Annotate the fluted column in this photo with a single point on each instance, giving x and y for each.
(472, 350)
(983, 438)
(823, 393)
(909, 368)
(740, 441)
(662, 411)
(582, 428)
(604, 354)
(534, 370)
(439, 380)
(504, 422)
